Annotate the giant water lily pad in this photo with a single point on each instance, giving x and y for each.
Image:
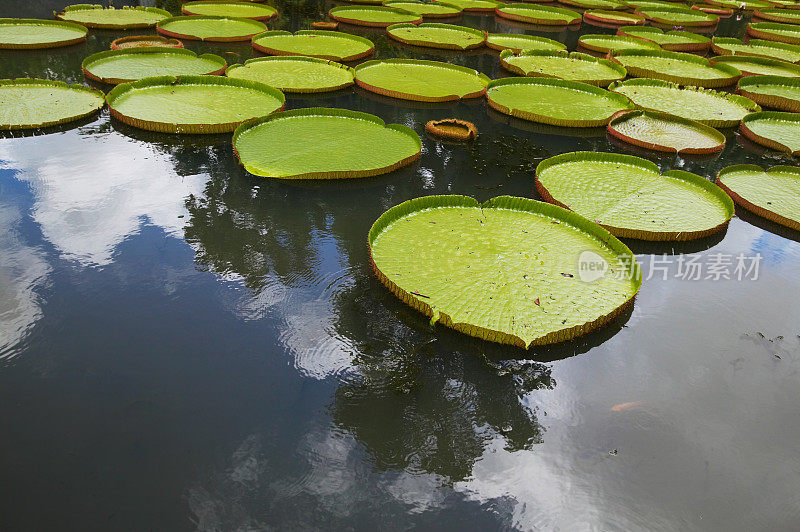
(426, 9)
(609, 43)
(447, 36)
(741, 4)
(506, 270)
(756, 48)
(121, 66)
(206, 28)
(321, 44)
(665, 132)
(30, 33)
(773, 194)
(779, 131)
(710, 107)
(752, 65)
(322, 143)
(612, 18)
(772, 91)
(425, 81)
(674, 40)
(774, 31)
(97, 16)
(556, 102)
(375, 16)
(631, 198)
(562, 64)
(517, 42)
(677, 67)
(536, 14)
(790, 16)
(192, 104)
(145, 41)
(230, 9)
(474, 6)
(679, 16)
(294, 74)
(33, 103)
(606, 5)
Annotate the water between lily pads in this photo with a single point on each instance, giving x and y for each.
(185, 346)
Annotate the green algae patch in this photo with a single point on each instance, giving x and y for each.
(517, 42)
(506, 270)
(772, 91)
(321, 44)
(294, 74)
(122, 66)
(773, 194)
(776, 130)
(563, 65)
(34, 103)
(676, 67)
(631, 198)
(446, 36)
(322, 143)
(424, 81)
(29, 33)
(125, 18)
(665, 132)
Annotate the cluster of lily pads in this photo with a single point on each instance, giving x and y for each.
(645, 88)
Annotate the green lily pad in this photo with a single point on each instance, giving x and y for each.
(752, 65)
(322, 143)
(294, 74)
(790, 16)
(426, 9)
(772, 91)
(608, 43)
(424, 81)
(709, 107)
(192, 104)
(645, 4)
(230, 9)
(613, 18)
(321, 44)
(556, 102)
(606, 5)
(536, 14)
(665, 132)
(506, 271)
(564, 65)
(674, 40)
(30, 33)
(779, 131)
(206, 28)
(714, 10)
(121, 66)
(679, 16)
(773, 194)
(517, 42)
(631, 198)
(375, 16)
(34, 103)
(773, 31)
(677, 67)
(474, 6)
(97, 16)
(741, 4)
(447, 36)
(145, 41)
(756, 48)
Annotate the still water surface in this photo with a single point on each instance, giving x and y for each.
(184, 346)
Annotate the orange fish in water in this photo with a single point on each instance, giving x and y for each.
(625, 406)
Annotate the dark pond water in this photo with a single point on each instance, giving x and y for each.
(184, 346)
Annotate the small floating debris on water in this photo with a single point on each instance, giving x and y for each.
(452, 128)
(626, 406)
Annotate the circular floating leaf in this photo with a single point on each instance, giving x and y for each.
(506, 271)
(192, 104)
(30, 33)
(145, 41)
(772, 31)
(474, 6)
(322, 143)
(608, 43)
(314, 43)
(425, 9)
(679, 17)
(712, 108)
(375, 16)
(34, 103)
(752, 65)
(665, 132)
(779, 131)
(424, 81)
(757, 48)
(613, 18)
(97, 16)
(517, 42)
(678, 41)
(741, 4)
(294, 74)
(230, 9)
(556, 102)
(677, 67)
(564, 65)
(789, 16)
(631, 198)
(451, 128)
(773, 194)
(772, 91)
(121, 66)
(536, 14)
(645, 4)
(714, 10)
(204, 28)
(447, 36)
(605, 5)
